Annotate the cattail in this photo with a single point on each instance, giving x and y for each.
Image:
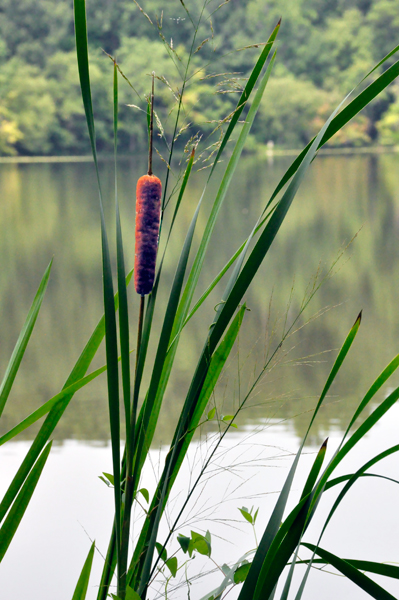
(148, 212)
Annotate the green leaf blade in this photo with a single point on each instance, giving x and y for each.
(83, 581)
(23, 339)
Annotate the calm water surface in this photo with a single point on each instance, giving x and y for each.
(346, 216)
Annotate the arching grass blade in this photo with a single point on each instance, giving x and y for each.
(378, 383)
(310, 482)
(352, 573)
(83, 581)
(111, 346)
(47, 406)
(122, 288)
(23, 340)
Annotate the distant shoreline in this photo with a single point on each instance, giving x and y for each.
(263, 150)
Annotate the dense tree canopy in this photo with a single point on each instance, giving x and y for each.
(324, 49)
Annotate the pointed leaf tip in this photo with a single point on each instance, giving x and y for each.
(324, 444)
(359, 317)
(279, 22)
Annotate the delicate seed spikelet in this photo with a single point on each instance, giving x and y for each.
(148, 211)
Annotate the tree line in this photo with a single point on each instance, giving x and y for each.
(324, 49)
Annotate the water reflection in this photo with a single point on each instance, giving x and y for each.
(52, 210)
(71, 507)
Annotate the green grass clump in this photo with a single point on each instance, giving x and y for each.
(135, 572)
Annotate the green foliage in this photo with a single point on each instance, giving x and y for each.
(196, 543)
(283, 534)
(247, 514)
(388, 126)
(324, 48)
(293, 111)
(240, 574)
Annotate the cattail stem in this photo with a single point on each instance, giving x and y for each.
(140, 329)
(151, 126)
(129, 479)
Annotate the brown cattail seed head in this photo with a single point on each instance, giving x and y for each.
(148, 212)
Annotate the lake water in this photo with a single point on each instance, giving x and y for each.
(51, 210)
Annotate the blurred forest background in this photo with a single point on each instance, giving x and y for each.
(324, 49)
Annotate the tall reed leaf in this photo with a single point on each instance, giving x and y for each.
(111, 346)
(23, 339)
(222, 191)
(122, 288)
(83, 581)
(125, 352)
(310, 482)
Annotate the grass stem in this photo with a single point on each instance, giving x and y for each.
(140, 329)
(129, 488)
(151, 126)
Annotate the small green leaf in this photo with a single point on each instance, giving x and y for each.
(227, 417)
(211, 414)
(131, 594)
(255, 515)
(200, 544)
(107, 483)
(184, 542)
(241, 573)
(172, 565)
(145, 494)
(246, 514)
(109, 477)
(161, 551)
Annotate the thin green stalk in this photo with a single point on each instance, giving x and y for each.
(129, 485)
(111, 345)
